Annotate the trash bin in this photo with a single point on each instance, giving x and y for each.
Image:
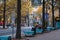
(57, 20)
(5, 37)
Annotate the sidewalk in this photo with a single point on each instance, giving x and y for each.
(53, 35)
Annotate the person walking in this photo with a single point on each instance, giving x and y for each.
(46, 20)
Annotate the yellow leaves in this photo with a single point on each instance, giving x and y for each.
(11, 2)
(39, 9)
(23, 13)
(25, 7)
(1, 9)
(1, 14)
(30, 10)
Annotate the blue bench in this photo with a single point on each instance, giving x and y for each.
(5, 37)
(58, 25)
(39, 30)
(50, 28)
(28, 32)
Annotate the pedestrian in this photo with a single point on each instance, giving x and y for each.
(46, 19)
(34, 28)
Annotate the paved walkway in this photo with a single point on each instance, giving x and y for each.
(53, 35)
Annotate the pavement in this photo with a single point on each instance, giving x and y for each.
(12, 31)
(53, 35)
(7, 31)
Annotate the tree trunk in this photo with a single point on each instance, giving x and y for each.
(4, 13)
(43, 15)
(18, 31)
(53, 21)
(59, 12)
